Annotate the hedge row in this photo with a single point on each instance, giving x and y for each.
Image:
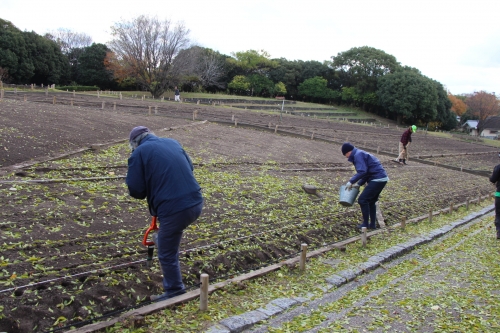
(78, 88)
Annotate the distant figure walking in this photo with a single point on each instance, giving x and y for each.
(404, 143)
(495, 179)
(177, 95)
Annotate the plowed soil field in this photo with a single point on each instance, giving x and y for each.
(70, 241)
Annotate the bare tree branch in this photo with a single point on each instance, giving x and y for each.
(69, 40)
(211, 69)
(147, 47)
(200, 65)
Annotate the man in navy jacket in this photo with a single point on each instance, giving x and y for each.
(369, 170)
(160, 170)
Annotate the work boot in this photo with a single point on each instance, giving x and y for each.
(362, 225)
(404, 162)
(158, 298)
(165, 296)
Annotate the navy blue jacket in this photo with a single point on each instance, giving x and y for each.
(495, 177)
(161, 171)
(367, 166)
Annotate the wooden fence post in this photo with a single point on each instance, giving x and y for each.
(73, 94)
(71, 101)
(363, 236)
(303, 256)
(149, 112)
(276, 129)
(467, 204)
(114, 106)
(54, 100)
(430, 215)
(204, 292)
(102, 107)
(451, 207)
(403, 223)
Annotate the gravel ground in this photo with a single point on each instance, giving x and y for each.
(448, 285)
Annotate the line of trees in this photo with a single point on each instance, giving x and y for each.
(155, 55)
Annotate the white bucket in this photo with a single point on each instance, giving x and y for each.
(347, 197)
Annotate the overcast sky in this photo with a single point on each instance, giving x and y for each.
(456, 42)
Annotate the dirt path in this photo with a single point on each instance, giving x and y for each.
(448, 285)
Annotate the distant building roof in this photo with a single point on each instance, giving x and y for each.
(471, 123)
(491, 123)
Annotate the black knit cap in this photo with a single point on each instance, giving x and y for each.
(346, 147)
(138, 131)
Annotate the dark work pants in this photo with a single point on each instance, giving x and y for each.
(169, 240)
(497, 213)
(367, 201)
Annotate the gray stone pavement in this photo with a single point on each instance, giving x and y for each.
(283, 310)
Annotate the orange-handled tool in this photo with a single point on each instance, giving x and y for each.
(152, 227)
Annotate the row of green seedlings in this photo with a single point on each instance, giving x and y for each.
(239, 250)
(247, 224)
(204, 277)
(131, 252)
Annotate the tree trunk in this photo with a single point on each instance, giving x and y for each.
(399, 119)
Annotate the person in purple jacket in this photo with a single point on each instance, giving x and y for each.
(160, 170)
(369, 171)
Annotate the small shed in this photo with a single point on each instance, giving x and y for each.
(470, 126)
